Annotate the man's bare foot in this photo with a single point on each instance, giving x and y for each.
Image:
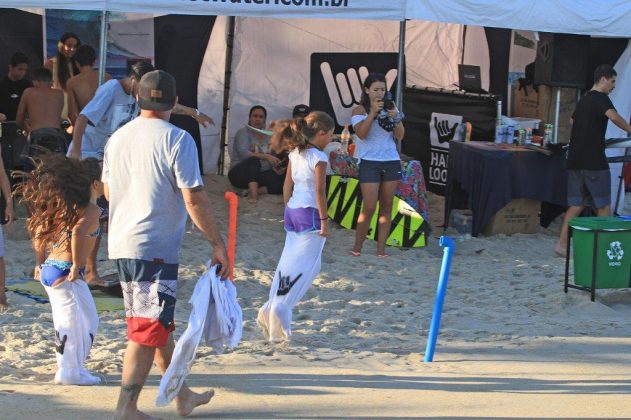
(560, 250)
(93, 279)
(134, 415)
(187, 400)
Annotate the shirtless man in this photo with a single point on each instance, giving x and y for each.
(39, 113)
(81, 88)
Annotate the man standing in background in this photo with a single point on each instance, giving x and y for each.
(588, 178)
(13, 85)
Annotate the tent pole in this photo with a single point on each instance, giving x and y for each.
(226, 94)
(557, 109)
(400, 64)
(464, 43)
(103, 46)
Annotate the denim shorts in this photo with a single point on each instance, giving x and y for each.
(589, 188)
(374, 171)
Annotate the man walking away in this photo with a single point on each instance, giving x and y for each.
(588, 178)
(152, 181)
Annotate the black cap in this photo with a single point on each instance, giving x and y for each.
(157, 91)
(302, 110)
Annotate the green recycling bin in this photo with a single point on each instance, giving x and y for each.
(605, 241)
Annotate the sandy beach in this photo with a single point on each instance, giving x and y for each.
(512, 344)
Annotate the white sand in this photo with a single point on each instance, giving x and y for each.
(512, 344)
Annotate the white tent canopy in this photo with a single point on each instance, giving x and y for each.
(288, 9)
(601, 18)
(589, 17)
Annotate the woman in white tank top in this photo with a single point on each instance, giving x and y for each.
(378, 125)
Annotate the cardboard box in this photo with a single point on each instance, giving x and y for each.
(541, 105)
(519, 216)
(462, 221)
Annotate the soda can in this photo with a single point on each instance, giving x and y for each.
(500, 131)
(510, 134)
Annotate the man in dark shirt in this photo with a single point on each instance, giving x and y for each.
(13, 85)
(589, 179)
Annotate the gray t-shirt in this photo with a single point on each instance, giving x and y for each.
(110, 109)
(245, 142)
(147, 162)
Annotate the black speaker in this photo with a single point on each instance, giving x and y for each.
(562, 60)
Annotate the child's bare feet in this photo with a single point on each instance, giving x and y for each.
(3, 302)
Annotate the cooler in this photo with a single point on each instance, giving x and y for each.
(602, 253)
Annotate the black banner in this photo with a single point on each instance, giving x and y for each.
(180, 45)
(434, 118)
(336, 80)
(20, 31)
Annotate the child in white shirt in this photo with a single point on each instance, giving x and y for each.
(306, 219)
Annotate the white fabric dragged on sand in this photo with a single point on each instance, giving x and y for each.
(213, 300)
(298, 266)
(76, 322)
(224, 320)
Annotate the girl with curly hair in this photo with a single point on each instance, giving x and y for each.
(61, 195)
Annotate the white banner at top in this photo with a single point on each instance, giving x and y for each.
(281, 9)
(589, 17)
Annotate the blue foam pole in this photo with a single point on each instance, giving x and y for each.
(448, 244)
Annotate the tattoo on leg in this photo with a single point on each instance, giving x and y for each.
(196, 189)
(133, 390)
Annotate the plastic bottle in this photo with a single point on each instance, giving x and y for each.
(528, 139)
(547, 136)
(345, 138)
(469, 129)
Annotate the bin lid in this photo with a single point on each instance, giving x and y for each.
(600, 223)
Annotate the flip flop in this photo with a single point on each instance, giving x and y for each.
(382, 255)
(355, 253)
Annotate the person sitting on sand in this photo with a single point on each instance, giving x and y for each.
(61, 195)
(252, 166)
(306, 219)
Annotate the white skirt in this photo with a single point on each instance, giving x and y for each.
(76, 322)
(298, 267)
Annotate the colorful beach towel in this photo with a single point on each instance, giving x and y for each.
(34, 290)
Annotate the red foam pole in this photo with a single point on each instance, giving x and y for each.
(233, 203)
